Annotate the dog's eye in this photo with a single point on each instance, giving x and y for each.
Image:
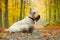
(33, 12)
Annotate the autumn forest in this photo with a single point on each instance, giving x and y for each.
(12, 11)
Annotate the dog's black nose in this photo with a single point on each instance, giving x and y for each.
(37, 18)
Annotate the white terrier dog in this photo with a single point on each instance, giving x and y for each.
(27, 24)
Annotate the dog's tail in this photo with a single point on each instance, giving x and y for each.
(2, 29)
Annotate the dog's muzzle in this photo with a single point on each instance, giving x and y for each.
(37, 18)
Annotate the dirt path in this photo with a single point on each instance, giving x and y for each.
(48, 33)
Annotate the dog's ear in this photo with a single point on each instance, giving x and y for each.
(30, 10)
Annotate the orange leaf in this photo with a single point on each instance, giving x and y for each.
(17, 38)
(55, 36)
(4, 35)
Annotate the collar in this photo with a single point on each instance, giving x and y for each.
(31, 18)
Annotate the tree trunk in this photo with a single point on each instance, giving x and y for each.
(58, 11)
(49, 11)
(24, 9)
(0, 17)
(6, 14)
(21, 9)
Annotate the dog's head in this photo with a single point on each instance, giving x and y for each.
(34, 14)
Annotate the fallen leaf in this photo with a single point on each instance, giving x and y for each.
(55, 36)
(29, 35)
(4, 35)
(17, 38)
(35, 36)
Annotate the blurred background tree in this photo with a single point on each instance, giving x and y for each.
(12, 11)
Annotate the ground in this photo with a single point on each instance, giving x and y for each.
(47, 33)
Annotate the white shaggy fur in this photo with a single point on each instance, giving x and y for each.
(20, 25)
(23, 24)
